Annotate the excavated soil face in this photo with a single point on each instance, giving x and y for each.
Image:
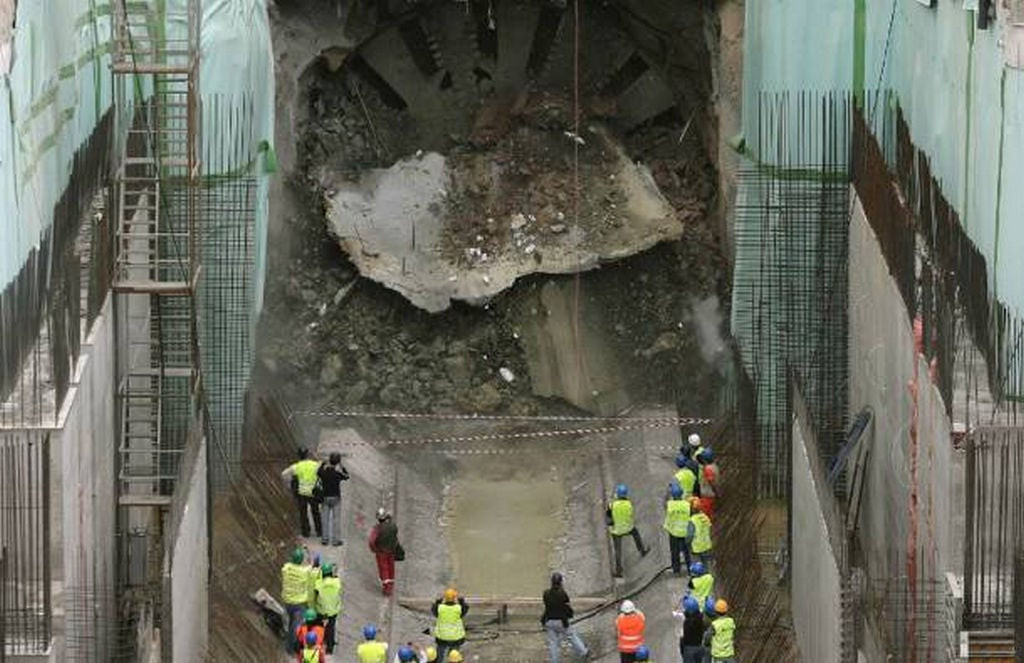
(527, 185)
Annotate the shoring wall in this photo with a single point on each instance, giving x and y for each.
(910, 518)
(187, 562)
(818, 557)
(84, 486)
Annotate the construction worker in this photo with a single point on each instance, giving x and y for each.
(691, 630)
(629, 627)
(316, 573)
(701, 582)
(643, 653)
(699, 532)
(449, 628)
(415, 653)
(384, 544)
(709, 488)
(693, 447)
(371, 650)
(721, 635)
(686, 475)
(555, 620)
(328, 604)
(295, 593)
(302, 477)
(619, 516)
(331, 476)
(311, 625)
(454, 656)
(677, 524)
(311, 651)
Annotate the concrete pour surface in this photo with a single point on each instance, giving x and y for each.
(394, 224)
(494, 519)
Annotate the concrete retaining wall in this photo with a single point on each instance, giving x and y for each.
(84, 494)
(187, 561)
(882, 369)
(816, 563)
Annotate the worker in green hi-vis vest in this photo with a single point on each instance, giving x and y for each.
(619, 516)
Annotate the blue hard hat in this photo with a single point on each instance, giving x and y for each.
(642, 653)
(621, 490)
(690, 605)
(675, 490)
(697, 569)
(707, 456)
(406, 653)
(681, 460)
(311, 638)
(369, 631)
(709, 605)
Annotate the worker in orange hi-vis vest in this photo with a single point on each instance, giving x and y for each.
(710, 488)
(629, 627)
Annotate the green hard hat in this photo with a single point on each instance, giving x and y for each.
(298, 556)
(310, 615)
(327, 569)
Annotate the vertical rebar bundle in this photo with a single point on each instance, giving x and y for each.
(790, 282)
(995, 525)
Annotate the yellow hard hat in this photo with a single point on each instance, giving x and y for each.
(431, 654)
(721, 607)
(454, 656)
(450, 595)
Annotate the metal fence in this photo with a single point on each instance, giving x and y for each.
(25, 614)
(995, 525)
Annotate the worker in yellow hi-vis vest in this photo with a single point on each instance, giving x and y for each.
(721, 634)
(619, 516)
(449, 629)
(295, 592)
(677, 524)
(302, 477)
(328, 604)
(371, 650)
(699, 532)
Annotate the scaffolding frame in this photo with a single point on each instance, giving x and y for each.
(158, 258)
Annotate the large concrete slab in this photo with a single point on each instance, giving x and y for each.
(427, 226)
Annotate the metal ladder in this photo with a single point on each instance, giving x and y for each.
(156, 66)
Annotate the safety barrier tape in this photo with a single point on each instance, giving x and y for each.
(676, 421)
(526, 435)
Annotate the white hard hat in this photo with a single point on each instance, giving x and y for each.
(627, 607)
(694, 440)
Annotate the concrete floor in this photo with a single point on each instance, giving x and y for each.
(494, 521)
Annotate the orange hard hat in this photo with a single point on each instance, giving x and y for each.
(721, 607)
(695, 503)
(450, 594)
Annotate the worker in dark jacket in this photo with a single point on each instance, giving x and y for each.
(555, 620)
(331, 476)
(384, 544)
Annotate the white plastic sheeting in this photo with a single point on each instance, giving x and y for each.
(60, 85)
(56, 91)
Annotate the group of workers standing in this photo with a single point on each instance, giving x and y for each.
(705, 627)
(311, 590)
